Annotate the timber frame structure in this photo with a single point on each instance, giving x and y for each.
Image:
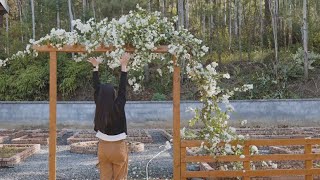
(53, 101)
(180, 156)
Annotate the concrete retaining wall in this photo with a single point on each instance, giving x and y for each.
(159, 114)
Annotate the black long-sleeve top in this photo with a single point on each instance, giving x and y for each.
(119, 123)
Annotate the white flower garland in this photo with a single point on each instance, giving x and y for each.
(145, 31)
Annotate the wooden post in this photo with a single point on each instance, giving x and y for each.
(176, 121)
(308, 163)
(246, 164)
(183, 171)
(53, 115)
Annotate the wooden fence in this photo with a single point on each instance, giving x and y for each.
(247, 173)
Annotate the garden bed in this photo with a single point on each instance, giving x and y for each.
(133, 135)
(91, 147)
(4, 139)
(12, 133)
(11, 154)
(42, 139)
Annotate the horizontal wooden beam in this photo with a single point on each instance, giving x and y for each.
(259, 142)
(82, 49)
(233, 158)
(251, 173)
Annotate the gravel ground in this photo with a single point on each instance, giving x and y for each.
(82, 166)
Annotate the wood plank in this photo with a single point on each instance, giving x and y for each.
(253, 173)
(232, 158)
(183, 164)
(259, 142)
(82, 49)
(246, 164)
(308, 163)
(53, 116)
(176, 121)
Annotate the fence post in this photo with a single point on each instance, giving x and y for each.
(53, 115)
(246, 164)
(183, 151)
(308, 163)
(176, 121)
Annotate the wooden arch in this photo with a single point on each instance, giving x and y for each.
(180, 157)
(53, 102)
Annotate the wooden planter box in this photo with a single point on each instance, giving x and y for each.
(4, 138)
(82, 137)
(166, 134)
(17, 158)
(91, 147)
(42, 139)
(12, 133)
(133, 135)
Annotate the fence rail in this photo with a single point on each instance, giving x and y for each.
(308, 157)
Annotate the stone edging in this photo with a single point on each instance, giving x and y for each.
(167, 135)
(91, 147)
(31, 149)
(4, 138)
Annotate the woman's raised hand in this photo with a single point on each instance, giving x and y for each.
(94, 61)
(124, 61)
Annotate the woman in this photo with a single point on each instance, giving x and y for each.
(110, 124)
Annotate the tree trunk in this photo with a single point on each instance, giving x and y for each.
(33, 21)
(267, 22)
(84, 9)
(274, 13)
(94, 8)
(149, 5)
(58, 14)
(225, 13)
(240, 24)
(187, 14)
(290, 22)
(261, 26)
(18, 2)
(236, 17)
(7, 33)
(70, 14)
(180, 14)
(305, 39)
(162, 7)
(230, 24)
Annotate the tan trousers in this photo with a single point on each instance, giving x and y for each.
(113, 160)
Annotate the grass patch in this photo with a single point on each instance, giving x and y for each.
(7, 152)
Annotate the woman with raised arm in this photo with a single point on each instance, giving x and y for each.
(110, 124)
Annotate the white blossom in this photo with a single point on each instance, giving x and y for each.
(227, 76)
(244, 122)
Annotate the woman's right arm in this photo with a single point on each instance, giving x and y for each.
(96, 81)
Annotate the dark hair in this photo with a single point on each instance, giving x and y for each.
(105, 106)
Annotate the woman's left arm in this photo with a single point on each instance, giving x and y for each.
(123, 78)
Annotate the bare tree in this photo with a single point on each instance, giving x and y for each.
(305, 39)
(70, 14)
(7, 33)
(149, 5)
(240, 24)
(58, 14)
(33, 20)
(93, 2)
(290, 22)
(84, 9)
(230, 23)
(180, 14)
(18, 2)
(187, 14)
(273, 5)
(261, 24)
